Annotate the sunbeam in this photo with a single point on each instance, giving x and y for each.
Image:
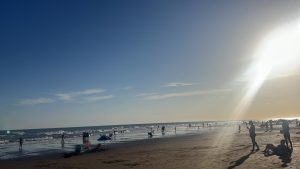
(277, 54)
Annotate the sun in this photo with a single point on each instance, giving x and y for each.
(279, 51)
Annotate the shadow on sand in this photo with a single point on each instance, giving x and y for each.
(240, 161)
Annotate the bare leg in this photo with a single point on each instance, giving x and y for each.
(286, 142)
(291, 143)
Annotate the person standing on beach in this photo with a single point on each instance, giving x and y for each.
(163, 130)
(239, 128)
(286, 133)
(20, 144)
(271, 125)
(267, 126)
(252, 135)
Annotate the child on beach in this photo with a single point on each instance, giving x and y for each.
(252, 135)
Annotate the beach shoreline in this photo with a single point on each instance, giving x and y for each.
(184, 151)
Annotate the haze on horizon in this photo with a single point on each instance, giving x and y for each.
(84, 63)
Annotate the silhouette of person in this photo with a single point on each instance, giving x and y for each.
(20, 144)
(239, 128)
(286, 133)
(150, 133)
(252, 135)
(271, 125)
(279, 150)
(267, 126)
(163, 130)
(63, 140)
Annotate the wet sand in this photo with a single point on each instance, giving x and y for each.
(232, 150)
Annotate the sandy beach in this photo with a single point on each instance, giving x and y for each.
(232, 150)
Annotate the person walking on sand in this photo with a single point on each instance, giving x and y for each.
(252, 135)
(286, 133)
(20, 144)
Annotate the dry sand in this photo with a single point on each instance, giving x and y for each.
(182, 152)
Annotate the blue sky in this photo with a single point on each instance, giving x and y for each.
(74, 63)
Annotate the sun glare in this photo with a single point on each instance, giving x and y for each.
(277, 54)
(279, 51)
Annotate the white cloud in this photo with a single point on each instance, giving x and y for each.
(64, 96)
(95, 98)
(284, 75)
(71, 95)
(145, 94)
(90, 91)
(36, 101)
(124, 88)
(77, 96)
(178, 84)
(183, 94)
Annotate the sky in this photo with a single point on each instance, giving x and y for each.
(82, 63)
